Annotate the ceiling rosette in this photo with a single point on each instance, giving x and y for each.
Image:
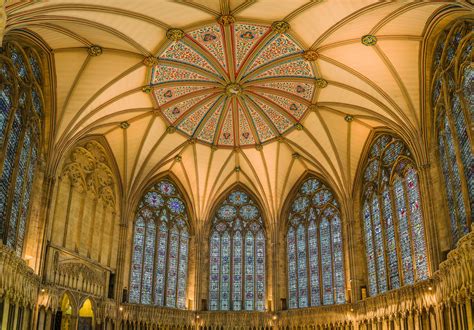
(233, 84)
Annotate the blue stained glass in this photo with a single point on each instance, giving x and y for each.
(379, 144)
(379, 248)
(292, 279)
(467, 83)
(310, 186)
(148, 259)
(372, 170)
(326, 262)
(26, 201)
(164, 261)
(35, 67)
(248, 212)
(237, 272)
(456, 176)
(182, 268)
(370, 251)
(467, 158)
(338, 260)
(314, 264)
(37, 103)
(260, 271)
(300, 204)
(302, 271)
(418, 234)
(214, 272)
(175, 205)
(137, 261)
(9, 163)
(310, 256)
(5, 108)
(225, 272)
(19, 62)
(238, 198)
(166, 188)
(161, 265)
(322, 197)
(227, 212)
(172, 268)
(391, 153)
(391, 241)
(153, 199)
(405, 242)
(18, 189)
(249, 272)
(449, 187)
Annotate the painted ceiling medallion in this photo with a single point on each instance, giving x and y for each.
(232, 84)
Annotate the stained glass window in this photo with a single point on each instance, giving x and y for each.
(20, 125)
(158, 274)
(392, 217)
(315, 247)
(453, 104)
(237, 255)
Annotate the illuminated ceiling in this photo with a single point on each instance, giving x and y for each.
(106, 90)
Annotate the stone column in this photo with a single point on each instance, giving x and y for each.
(3, 19)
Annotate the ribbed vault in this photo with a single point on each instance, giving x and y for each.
(103, 90)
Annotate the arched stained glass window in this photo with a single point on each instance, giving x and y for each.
(21, 115)
(159, 264)
(314, 248)
(392, 217)
(237, 255)
(453, 101)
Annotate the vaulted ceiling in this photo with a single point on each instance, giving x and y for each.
(106, 93)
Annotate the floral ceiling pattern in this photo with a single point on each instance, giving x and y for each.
(236, 84)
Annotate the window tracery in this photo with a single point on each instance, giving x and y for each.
(392, 217)
(21, 115)
(160, 248)
(237, 255)
(453, 103)
(314, 248)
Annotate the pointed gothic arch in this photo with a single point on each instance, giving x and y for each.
(237, 252)
(160, 248)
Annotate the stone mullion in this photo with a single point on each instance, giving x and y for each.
(308, 272)
(255, 272)
(374, 246)
(396, 230)
(177, 269)
(410, 226)
(22, 196)
(231, 272)
(68, 210)
(155, 257)
(93, 214)
(143, 256)
(384, 240)
(331, 253)
(166, 261)
(79, 221)
(320, 262)
(296, 270)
